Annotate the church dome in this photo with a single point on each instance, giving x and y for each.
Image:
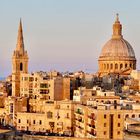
(116, 49)
(117, 54)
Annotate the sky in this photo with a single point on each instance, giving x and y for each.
(65, 35)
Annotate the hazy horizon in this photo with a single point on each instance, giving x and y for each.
(65, 35)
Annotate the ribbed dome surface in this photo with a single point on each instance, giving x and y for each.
(115, 48)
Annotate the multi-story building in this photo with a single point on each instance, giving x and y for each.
(103, 122)
(47, 117)
(39, 86)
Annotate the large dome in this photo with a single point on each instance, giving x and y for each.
(117, 49)
(117, 55)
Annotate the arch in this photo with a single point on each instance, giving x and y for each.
(107, 66)
(126, 116)
(121, 66)
(126, 65)
(133, 116)
(21, 67)
(116, 66)
(111, 66)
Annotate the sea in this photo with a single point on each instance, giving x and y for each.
(2, 78)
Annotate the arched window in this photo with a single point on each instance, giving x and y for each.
(21, 67)
(121, 66)
(126, 65)
(107, 66)
(127, 116)
(111, 66)
(133, 116)
(130, 65)
(116, 66)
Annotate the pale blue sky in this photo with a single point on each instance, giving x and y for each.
(65, 34)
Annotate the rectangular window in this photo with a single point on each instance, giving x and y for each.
(67, 115)
(33, 121)
(104, 124)
(119, 116)
(111, 126)
(104, 132)
(104, 116)
(49, 114)
(40, 122)
(31, 79)
(44, 85)
(119, 125)
(118, 132)
(19, 121)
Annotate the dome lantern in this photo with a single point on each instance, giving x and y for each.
(117, 28)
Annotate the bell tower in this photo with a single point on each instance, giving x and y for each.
(19, 62)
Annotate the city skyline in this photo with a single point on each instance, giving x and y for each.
(66, 41)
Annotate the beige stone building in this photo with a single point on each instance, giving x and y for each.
(106, 117)
(105, 122)
(48, 116)
(39, 86)
(117, 55)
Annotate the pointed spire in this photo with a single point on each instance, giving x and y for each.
(117, 17)
(20, 41)
(117, 28)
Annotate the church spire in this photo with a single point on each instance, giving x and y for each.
(20, 41)
(117, 28)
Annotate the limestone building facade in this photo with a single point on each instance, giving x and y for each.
(40, 86)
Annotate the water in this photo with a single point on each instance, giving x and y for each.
(2, 78)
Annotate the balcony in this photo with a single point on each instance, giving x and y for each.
(92, 132)
(78, 112)
(92, 116)
(91, 123)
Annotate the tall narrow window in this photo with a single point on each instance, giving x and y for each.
(111, 66)
(116, 66)
(125, 65)
(21, 67)
(121, 66)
